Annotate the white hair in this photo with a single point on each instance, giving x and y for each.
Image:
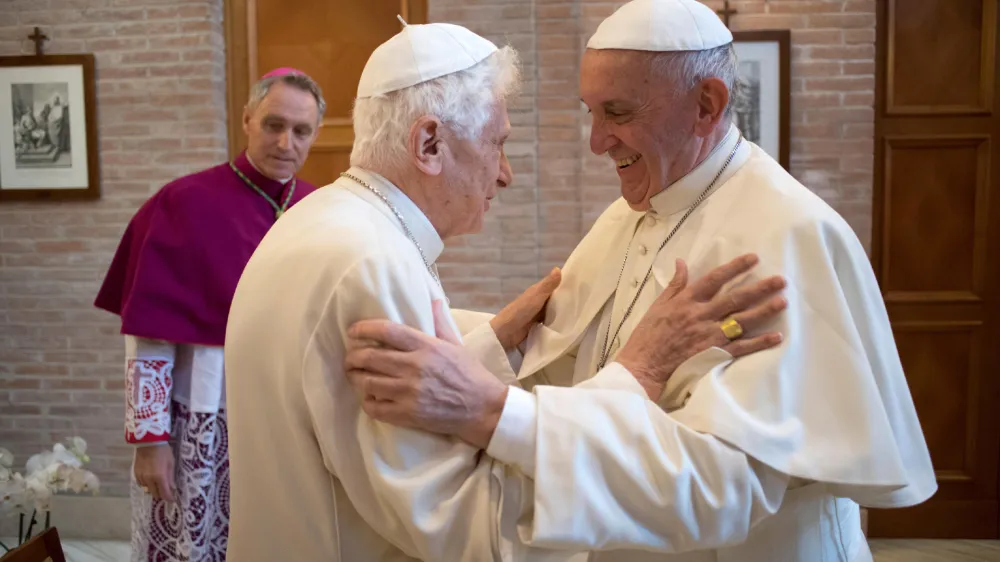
(462, 100)
(691, 67)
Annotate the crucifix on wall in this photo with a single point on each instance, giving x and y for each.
(725, 12)
(39, 39)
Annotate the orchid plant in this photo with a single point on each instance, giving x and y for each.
(47, 473)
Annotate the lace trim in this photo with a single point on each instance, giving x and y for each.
(196, 527)
(148, 383)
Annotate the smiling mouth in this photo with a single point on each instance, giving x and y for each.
(626, 162)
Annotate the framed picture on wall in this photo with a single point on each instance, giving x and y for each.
(762, 106)
(48, 133)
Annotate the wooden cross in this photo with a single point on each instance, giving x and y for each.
(726, 12)
(39, 39)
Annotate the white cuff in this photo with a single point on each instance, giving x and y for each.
(614, 377)
(482, 342)
(513, 440)
(681, 383)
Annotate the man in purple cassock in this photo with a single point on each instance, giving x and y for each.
(172, 281)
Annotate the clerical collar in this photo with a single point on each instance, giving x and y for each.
(681, 194)
(250, 160)
(418, 223)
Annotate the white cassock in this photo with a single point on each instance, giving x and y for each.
(314, 478)
(762, 459)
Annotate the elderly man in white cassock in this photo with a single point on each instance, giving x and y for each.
(313, 476)
(764, 458)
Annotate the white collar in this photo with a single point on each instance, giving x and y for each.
(418, 223)
(682, 193)
(250, 160)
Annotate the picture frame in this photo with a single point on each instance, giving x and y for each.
(763, 108)
(48, 128)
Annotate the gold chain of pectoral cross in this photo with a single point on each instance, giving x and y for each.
(605, 348)
(278, 211)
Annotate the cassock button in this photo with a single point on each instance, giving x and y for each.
(642, 249)
(635, 283)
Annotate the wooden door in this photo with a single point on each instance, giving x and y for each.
(328, 39)
(936, 247)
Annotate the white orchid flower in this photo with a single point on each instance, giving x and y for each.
(38, 491)
(88, 483)
(13, 494)
(38, 462)
(61, 454)
(47, 473)
(6, 458)
(78, 446)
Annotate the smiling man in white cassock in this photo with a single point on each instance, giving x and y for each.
(816, 426)
(312, 476)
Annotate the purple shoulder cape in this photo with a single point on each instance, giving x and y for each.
(182, 254)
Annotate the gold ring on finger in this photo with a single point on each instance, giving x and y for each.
(731, 328)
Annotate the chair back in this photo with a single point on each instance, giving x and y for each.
(44, 547)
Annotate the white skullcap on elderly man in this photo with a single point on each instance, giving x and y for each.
(662, 25)
(420, 53)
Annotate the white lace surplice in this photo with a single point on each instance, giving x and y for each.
(180, 387)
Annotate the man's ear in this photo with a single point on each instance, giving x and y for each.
(246, 120)
(713, 98)
(426, 145)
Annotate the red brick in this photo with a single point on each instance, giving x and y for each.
(843, 52)
(73, 384)
(19, 383)
(854, 99)
(768, 21)
(49, 17)
(146, 57)
(859, 36)
(817, 36)
(146, 29)
(840, 84)
(64, 246)
(557, 42)
(859, 6)
(856, 68)
(804, 69)
(842, 21)
(804, 6)
(559, 11)
(195, 11)
(116, 43)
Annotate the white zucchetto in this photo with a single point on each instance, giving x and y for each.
(662, 25)
(420, 53)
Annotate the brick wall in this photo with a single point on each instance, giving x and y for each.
(161, 108)
(162, 114)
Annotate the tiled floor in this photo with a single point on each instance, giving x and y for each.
(885, 551)
(96, 551)
(90, 551)
(933, 551)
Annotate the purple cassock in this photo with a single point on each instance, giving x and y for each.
(178, 263)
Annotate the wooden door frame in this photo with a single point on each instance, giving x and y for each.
(240, 25)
